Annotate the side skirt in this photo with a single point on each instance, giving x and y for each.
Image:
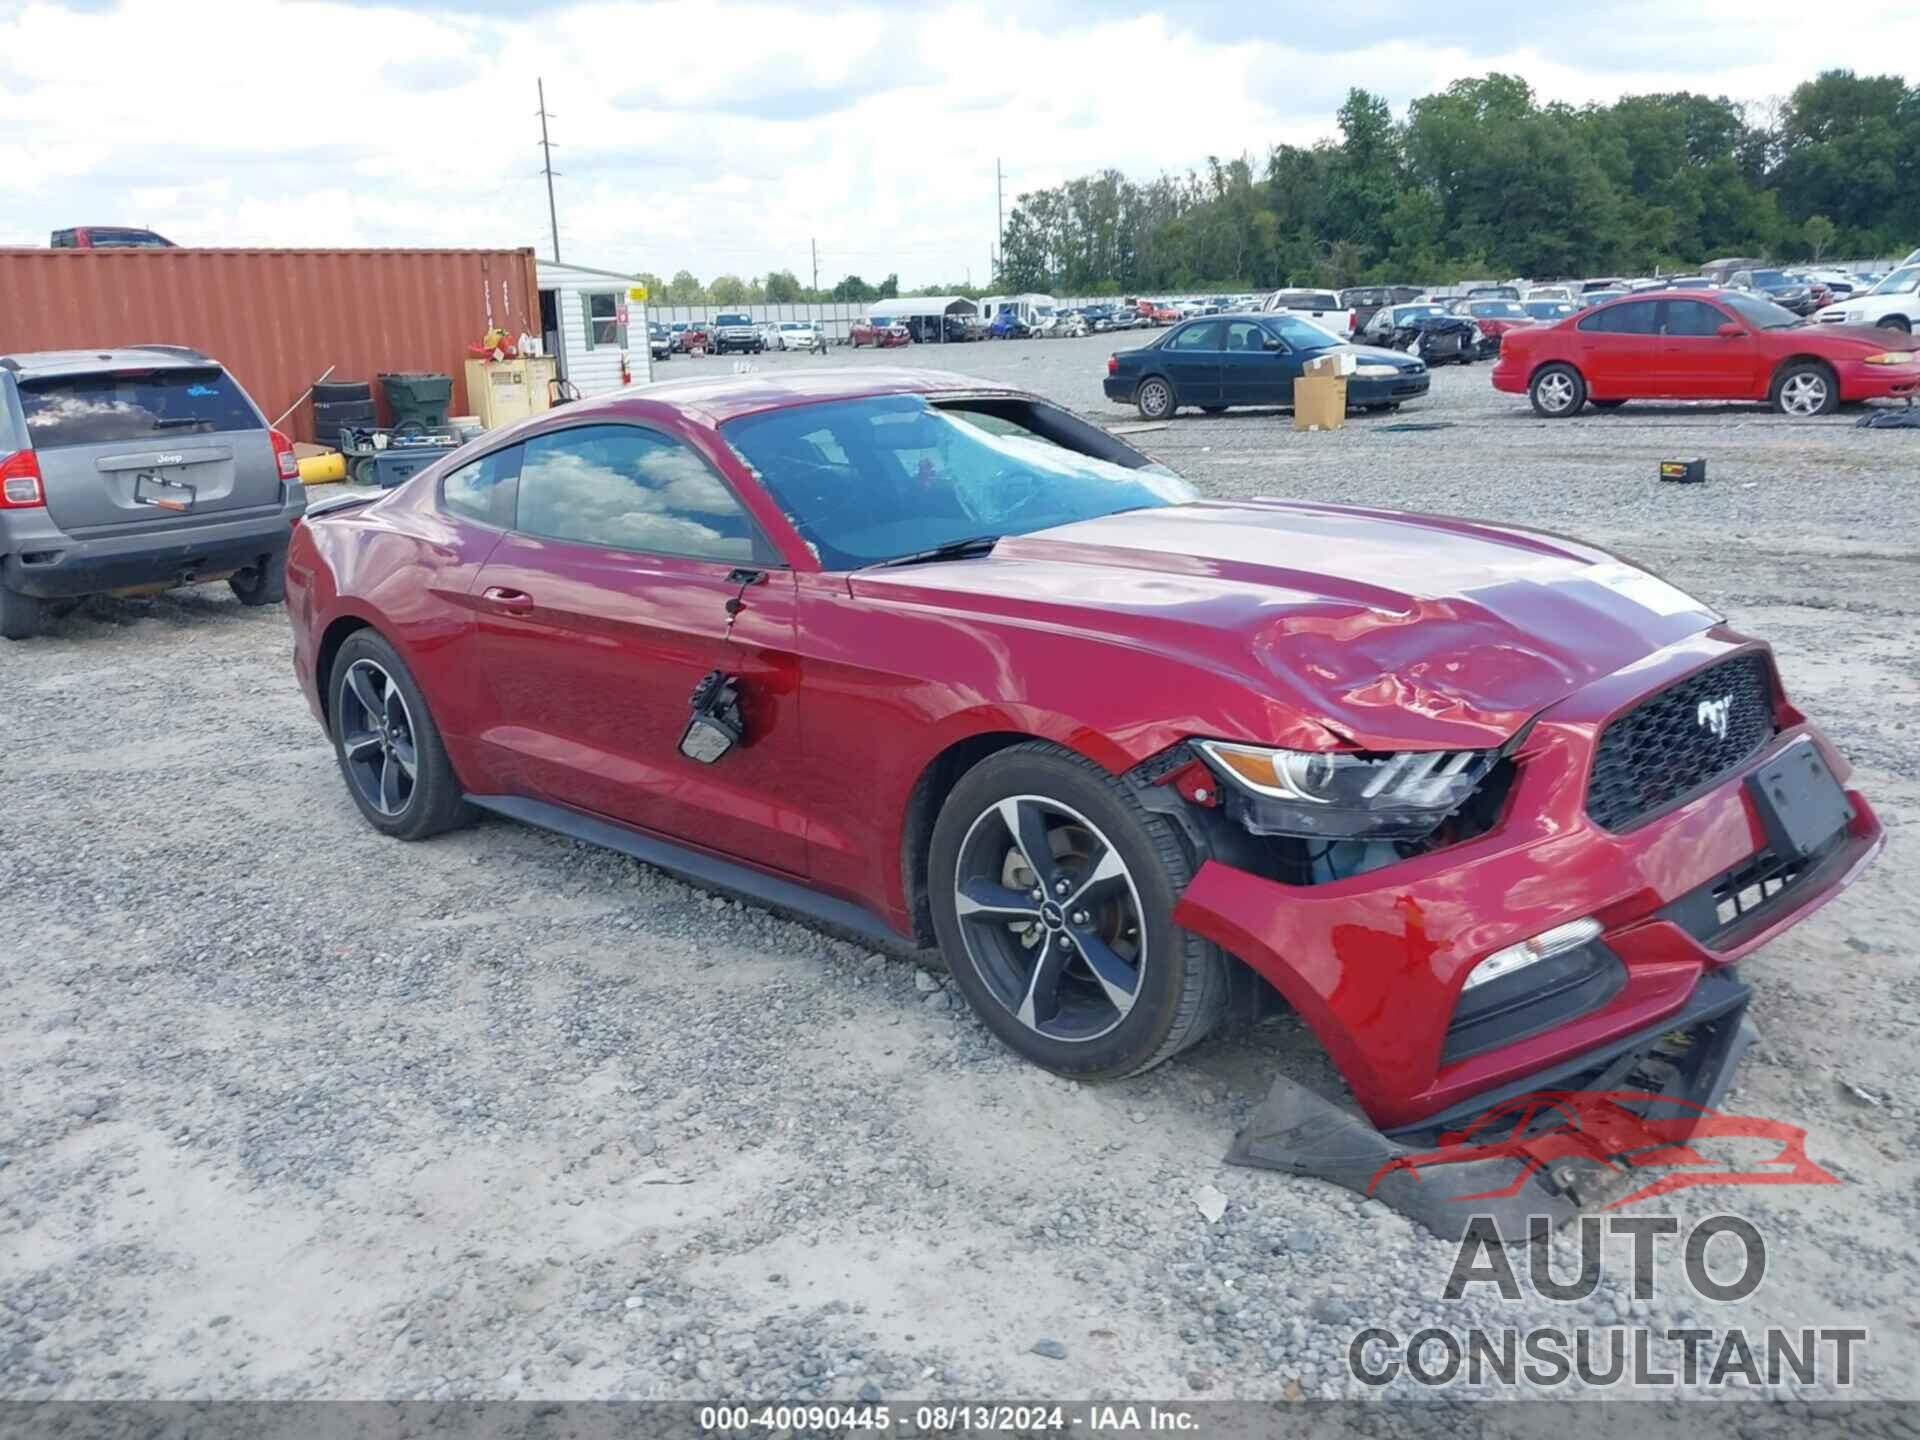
(695, 865)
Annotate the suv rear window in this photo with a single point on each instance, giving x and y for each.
(115, 409)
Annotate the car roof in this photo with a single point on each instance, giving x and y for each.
(719, 399)
(42, 364)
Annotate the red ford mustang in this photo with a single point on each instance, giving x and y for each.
(927, 657)
(1702, 345)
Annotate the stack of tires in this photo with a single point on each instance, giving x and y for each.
(338, 405)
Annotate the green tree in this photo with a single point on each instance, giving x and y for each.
(783, 288)
(727, 290)
(854, 289)
(685, 289)
(656, 287)
(889, 289)
(1819, 232)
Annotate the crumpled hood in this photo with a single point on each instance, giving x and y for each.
(1379, 628)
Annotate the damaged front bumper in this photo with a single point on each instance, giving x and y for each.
(1536, 1149)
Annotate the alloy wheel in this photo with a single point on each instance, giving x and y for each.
(1804, 394)
(1050, 918)
(1156, 399)
(377, 737)
(1556, 392)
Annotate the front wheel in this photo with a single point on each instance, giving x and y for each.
(387, 745)
(1053, 892)
(1895, 322)
(1154, 398)
(1557, 392)
(1804, 390)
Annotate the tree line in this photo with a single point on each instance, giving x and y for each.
(781, 287)
(1483, 180)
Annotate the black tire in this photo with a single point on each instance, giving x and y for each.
(1895, 322)
(333, 392)
(1606, 404)
(1558, 392)
(21, 616)
(430, 801)
(262, 584)
(1179, 980)
(363, 471)
(1804, 390)
(1154, 397)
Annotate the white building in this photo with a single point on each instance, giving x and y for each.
(593, 326)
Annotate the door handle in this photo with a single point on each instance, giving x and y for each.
(508, 602)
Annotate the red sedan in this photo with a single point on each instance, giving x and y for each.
(1701, 345)
(930, 658)
(882, 334)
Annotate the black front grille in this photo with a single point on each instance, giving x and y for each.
(1673, 743)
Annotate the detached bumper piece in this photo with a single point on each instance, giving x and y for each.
(1525, 1149)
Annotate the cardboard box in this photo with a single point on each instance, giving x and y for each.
(1339, 363)
(1319, 402)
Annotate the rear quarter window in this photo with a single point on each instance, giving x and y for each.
(114, 409)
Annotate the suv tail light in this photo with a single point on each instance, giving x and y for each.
(284, 457)
(20, 486)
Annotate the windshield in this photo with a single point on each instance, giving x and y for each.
(133, 406)
(1404, 313)
(869, 480)
(1497, 309)
(1901, 282)
(1770, 277)
(1309, 300)
(1494, 292)
(1758, 311)
(1301, 333)
(1548, 309)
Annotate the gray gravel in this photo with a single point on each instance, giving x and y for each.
(293, 1111)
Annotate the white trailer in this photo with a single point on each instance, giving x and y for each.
(593, 326)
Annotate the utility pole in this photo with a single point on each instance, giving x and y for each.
(816, 265)
(546, 151)
(999, 217)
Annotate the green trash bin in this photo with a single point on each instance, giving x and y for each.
(417, 397)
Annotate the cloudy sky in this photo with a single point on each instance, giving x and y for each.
(728, 137)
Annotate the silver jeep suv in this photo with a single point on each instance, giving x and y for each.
(136, 469)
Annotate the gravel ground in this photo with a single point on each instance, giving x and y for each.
(292, 1111)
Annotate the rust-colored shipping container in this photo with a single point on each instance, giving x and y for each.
(275, 318)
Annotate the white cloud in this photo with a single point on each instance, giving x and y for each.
(727, 137)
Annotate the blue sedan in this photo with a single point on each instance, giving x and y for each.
(1225, 360)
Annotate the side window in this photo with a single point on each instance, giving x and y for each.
(1691, 317)
(1196, 337)
(1634, 319)
(603, 318)
(483, 489)
(630, 489)
(1245, 335)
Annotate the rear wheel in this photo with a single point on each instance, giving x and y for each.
(1895, 322)
(387, 745)
(21, 616)
(1053, 894)
(261, 584)
(1804, 390)
(1154, 398)
(1557, 392)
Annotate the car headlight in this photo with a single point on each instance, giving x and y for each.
(1376, 372)
(1890, 357)
(1320, 794)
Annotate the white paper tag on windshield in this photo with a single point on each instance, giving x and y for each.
(1648, 591)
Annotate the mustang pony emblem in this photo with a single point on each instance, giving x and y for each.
(1715, 716)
